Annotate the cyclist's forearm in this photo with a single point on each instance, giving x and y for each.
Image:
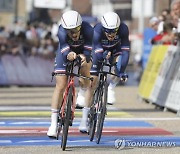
(124, 61)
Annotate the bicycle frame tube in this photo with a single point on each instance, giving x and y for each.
(102, 80)
(70, 83)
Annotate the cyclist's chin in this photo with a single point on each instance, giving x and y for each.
(110, 38)
(75, 38)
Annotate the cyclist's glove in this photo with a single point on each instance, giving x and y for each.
(105, 53)
(123, 77)
(88, 58)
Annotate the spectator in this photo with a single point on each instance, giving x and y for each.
(167, 37)
(149, 33)
(175, 13)
(165, 15)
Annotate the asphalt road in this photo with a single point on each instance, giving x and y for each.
(25, 113)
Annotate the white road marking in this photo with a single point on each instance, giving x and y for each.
(5, 141)
(31, 122)
(38, 141)
(144, 119)
(24, 131)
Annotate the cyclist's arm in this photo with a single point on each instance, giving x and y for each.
(97, 47)
(64, 47)
(125, 47)
(88, 34)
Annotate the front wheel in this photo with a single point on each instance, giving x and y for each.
(102, 112)
(67, 118)
(92, 122)
(59, 126)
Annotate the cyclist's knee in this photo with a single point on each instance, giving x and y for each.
(94, 83)
(84, 83)
(59, 88)
(61, 82)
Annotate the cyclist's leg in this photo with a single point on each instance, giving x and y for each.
(88, 100)
(89, 93)
(84, 83)
(122, 60)
(61, 81)
(114, 80)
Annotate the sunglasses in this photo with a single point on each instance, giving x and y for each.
(74, 30)
(109, 31)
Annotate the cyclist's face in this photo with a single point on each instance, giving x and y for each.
(110, 33)
(74, 33)
(110, 36)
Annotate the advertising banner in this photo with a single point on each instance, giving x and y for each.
(173, 98)
(161, 87)
(151, 72)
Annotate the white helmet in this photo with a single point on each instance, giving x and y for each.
(71, 19)
(110, 20)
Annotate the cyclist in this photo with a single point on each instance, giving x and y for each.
(75, 38)
(110, 41)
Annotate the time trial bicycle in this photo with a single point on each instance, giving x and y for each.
(66, 112)
(98, 109)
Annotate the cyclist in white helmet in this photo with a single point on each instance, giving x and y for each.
(75, 38)
(110, 41)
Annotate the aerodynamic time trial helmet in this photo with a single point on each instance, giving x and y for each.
(71, 19)
(111, 22)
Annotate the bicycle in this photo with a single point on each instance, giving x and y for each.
(66, 114)
(98, 109)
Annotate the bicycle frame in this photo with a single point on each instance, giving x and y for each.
(70, 83)
(66, 114)
(98, 109)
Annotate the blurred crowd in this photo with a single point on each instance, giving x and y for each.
(31, 39)
(166, 25)
(162, 29)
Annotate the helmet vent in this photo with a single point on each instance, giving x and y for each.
(64, 21)
(105, 21)
(117, 22)
(77, 19)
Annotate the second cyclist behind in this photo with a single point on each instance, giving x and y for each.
(110, 41)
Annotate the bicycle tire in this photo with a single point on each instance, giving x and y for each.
(67, 119)
(92, 123)
(102, 114)
(59, 126)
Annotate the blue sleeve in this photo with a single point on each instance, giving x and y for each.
(125, 47)
(64, 47)
(88, 34)
(124, 35)
(97, 47)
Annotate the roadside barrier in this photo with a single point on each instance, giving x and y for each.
(160, 82)
(25, 71)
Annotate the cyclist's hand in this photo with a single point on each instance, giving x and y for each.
(107, 54)
(71, 56)
(83, 60)
(123, 77)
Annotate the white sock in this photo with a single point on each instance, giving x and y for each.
(85, 113)
(113, 83)
(82, 91)
(54, 114)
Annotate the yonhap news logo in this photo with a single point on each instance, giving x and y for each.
(119, 144)
(122, 143)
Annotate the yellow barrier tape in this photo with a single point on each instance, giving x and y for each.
(152, 69)
(47, 114)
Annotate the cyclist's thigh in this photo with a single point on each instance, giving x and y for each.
(59, 65)
(95, 81)
(61, 81)
(95, 65)
(85, 70)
